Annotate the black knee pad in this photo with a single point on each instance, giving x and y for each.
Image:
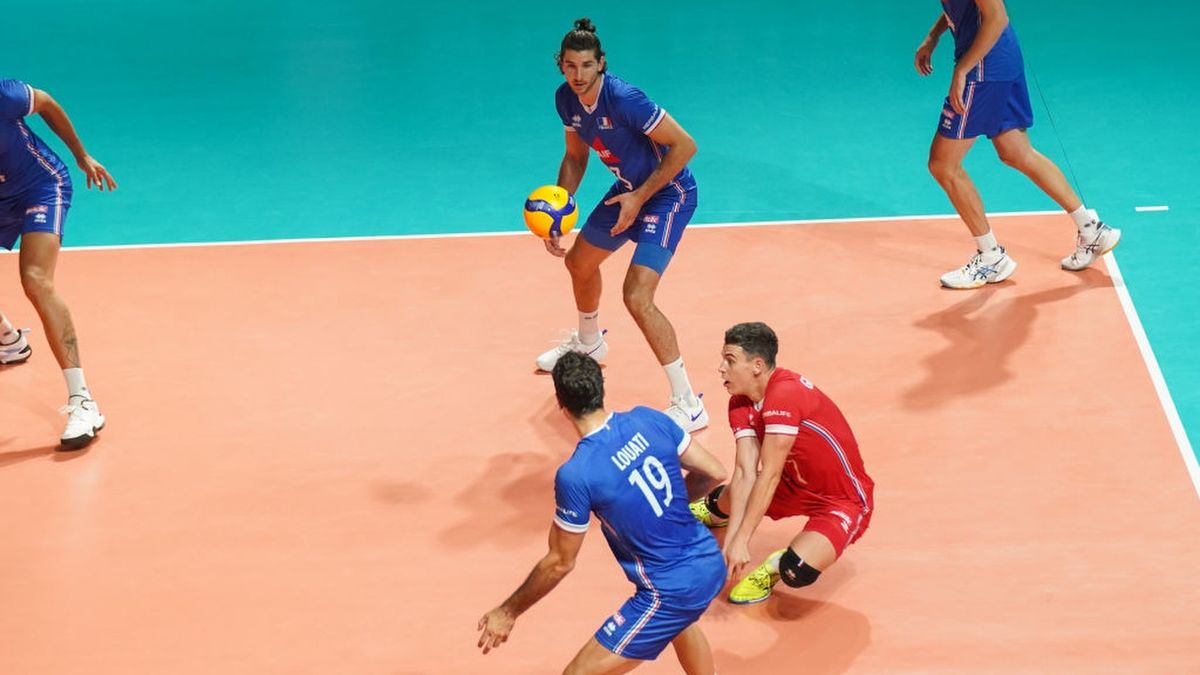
(794, 571)
(711, 502)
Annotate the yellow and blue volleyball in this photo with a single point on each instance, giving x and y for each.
(550, 211)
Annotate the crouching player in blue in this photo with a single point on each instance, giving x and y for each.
(626, 469)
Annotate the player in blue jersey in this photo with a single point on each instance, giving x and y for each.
(650, 204)
(988, 97)
(35, 194)
(626, 469)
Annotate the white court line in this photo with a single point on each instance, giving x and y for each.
(525, 233)
(1143, 209)
(1156, 376)
(1135, 324)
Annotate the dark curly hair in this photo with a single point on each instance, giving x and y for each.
(578, 384)
(581, 38)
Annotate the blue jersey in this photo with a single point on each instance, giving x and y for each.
(627, 473)
(1003, 63)
(617, 127)
(26, 162)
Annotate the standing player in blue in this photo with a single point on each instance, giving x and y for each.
(35, 194)
(627, 470)
(650, 204)
(988, 97)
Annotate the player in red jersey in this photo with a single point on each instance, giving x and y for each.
(796, 456)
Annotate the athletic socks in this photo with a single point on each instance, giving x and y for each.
(589, 327)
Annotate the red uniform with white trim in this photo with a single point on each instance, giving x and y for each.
(823, 476)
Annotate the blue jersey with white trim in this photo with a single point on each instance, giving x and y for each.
(25, 161)
(1003, 63)
(616, 128)
(628, 473)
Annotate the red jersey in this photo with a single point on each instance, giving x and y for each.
(824, 459)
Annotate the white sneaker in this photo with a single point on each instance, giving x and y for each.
(16, 352)
(689, 415)
(976, 272)
(1090, 246)
(83, 421)
(571, 343)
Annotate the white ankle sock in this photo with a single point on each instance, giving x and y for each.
(986, 243)
(1082, 217)
(681, 388)
(589, 327)
(8, 334)
(76, 384)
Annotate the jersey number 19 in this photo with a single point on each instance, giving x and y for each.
(655, 477)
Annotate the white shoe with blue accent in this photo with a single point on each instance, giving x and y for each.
(571, 343)
(990, 268)
(17, 350)
(1092, 243)
(689, 415)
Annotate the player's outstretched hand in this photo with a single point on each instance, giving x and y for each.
(554, 247)
(97, 174)
(495, 627)
(737, 556)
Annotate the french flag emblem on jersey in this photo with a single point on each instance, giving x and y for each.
(605, 123)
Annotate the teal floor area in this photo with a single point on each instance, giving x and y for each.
(250, 120)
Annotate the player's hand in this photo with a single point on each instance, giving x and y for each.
(554, 247)
(97, 174)
(737, 556)
(923, 61)
(631, 203)
(496, 625)
(958, 86)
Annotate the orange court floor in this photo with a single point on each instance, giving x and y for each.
(334, 457)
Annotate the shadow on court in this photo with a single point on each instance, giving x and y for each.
(984, 331)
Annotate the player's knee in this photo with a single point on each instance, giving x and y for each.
(942, 170)
(36, 283)
(1017, 159)
(638, 300)
(795, 572)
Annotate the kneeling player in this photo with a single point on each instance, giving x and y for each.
(796, 456)
(626, 469)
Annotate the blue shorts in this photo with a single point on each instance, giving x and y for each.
(41, 209)
(657, 228)
(649, 621)
(991, 109)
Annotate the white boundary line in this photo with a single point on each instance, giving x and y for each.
(523, 233)
(1131, 315)
(1156, 376)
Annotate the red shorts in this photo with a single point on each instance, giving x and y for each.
(842, 521)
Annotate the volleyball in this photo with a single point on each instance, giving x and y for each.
(550, 211)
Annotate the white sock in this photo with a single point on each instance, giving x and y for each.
(589, 327)
(1082, 217)
(986, 243)
(8, 334)
(681, 388)
(76, 385)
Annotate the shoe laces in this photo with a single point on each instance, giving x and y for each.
(762, 578)
(71, 408)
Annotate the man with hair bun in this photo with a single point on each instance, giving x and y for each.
(650, 204)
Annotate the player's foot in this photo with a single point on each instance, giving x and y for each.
(983, 268)
(757, 586)
(16, 351)
(83, 421)
(1091, 245)
(708, 518)
(571, 343)
(690, 415)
